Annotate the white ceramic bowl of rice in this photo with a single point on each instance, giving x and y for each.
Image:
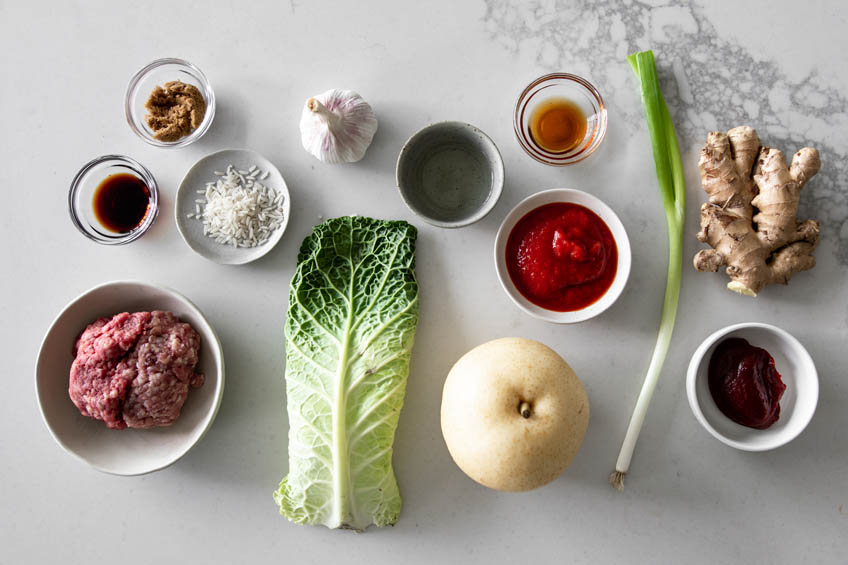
(226, 225)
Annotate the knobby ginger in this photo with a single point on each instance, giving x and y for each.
(751, 220)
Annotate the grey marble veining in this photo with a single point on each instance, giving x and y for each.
(709, 82)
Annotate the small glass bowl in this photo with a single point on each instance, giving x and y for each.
(81, 198)
(158, 73)
(574, 88)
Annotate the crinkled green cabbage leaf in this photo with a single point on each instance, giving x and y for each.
(353, 309)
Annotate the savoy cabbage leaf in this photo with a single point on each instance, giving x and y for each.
(353, 309)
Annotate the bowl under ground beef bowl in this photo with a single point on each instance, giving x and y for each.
(125, 451)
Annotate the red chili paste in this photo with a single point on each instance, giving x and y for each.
(745, 384)
(561, 256)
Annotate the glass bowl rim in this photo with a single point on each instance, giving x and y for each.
(149, 180)
(525, 97)
(208, 94)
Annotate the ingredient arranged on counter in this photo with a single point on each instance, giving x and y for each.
(745, 384)
(672, 185)
(113, 200)
(174, 110)
(353, 310)
(337, 126)
(561, 256)
(554, 268)
(121, 202)
(751, 220)
(560, 119)
(513, 414)
(134, 370)
(450, 173)
(238, 209)
(557, 125)
(735, 391)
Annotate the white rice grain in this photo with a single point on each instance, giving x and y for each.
(238, 210)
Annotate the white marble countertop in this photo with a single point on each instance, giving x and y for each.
(778, 66)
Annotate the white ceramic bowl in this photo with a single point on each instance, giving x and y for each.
(598, 207)
(128, 451)
(191, 229)
(797, 405)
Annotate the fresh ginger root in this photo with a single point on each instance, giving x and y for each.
(750, 220)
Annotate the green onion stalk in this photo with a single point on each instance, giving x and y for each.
(673, 191)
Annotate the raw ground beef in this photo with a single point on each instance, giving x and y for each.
(134, 370)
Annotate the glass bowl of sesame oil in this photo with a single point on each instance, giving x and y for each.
(113, 200)
(560, 119)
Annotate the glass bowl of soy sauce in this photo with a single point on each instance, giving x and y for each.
(560, 119)
(113, 200)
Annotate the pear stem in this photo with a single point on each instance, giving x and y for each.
(524, 409)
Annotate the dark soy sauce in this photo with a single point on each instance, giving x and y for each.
(121, 202)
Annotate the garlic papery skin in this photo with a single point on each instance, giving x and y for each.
(337, 126)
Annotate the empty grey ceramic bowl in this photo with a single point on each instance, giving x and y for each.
(450, 173)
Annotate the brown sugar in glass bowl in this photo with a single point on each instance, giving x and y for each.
(177, 104)
(174, 110)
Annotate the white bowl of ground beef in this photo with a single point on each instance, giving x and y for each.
(153, 440)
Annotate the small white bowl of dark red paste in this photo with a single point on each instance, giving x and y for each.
(752, 386)
(562, 255)
(129, 377)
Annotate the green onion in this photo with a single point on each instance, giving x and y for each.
(673, 190)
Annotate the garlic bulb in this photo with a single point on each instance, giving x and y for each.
(337, 126)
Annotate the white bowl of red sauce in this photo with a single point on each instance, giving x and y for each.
(754, 400)
(562, 255)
